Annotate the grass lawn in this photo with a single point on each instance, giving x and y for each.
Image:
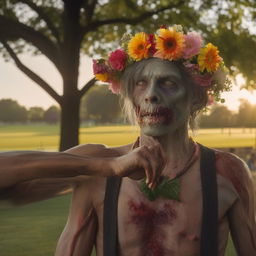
(33, 230)
(45, 137)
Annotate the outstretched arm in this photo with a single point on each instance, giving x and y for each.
(33, 176)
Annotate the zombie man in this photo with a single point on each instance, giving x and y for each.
(165, 194)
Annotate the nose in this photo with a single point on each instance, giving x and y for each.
(151, 99)
(152, 94)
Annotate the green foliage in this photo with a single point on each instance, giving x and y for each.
(101, 106)
(52, 115)
(11, 111)
(35, 114)
(167, 188)
(221, 116)
(247, 114)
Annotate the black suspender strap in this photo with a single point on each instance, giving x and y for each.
(209, 231)
(110, 216)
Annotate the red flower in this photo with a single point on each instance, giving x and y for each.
(163, 26)
(117, 59)
(151, 41)
(99, 67)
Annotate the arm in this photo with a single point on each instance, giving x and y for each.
(79, 234)
(18, 167)
(33, 176)
(241, 215)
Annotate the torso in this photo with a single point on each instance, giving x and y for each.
(164, 227)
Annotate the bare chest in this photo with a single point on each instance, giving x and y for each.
(158, 227)
(165, 227)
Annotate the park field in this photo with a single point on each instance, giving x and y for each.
(33, 230)
(46, 137)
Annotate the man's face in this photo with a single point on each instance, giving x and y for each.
(160, 99)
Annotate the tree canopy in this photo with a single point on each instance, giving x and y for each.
(62, 30)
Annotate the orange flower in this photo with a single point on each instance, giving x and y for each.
(169, 44)
(138, 46)
(209, 58)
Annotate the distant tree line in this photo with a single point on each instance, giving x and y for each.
(100, 106)
(220, 116)
(12, 112)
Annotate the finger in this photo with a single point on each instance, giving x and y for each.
(148, 170)
(151, 156)
(162, 160)
(150, 159)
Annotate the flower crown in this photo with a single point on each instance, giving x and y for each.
(170, 43)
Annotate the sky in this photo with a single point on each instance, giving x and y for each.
(16, 85)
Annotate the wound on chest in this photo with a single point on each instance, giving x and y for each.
(150, 222)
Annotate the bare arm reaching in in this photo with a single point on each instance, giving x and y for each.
(32, 176)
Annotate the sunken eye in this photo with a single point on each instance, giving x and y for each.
(168, 84)
(141, 83)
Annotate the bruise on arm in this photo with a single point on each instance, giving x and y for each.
(241, 214)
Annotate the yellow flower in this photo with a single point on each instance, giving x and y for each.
(209, 58)
(169, 44)
(103, 77)
(138, 46)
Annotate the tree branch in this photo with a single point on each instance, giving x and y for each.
(10, 28)
(43, 16)
(87, 86)
(132, 21)
(44, 85)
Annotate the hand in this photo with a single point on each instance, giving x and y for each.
(143, 161)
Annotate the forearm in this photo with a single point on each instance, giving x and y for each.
(16, 167)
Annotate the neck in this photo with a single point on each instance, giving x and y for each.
(177, 145)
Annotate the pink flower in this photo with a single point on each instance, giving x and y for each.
(117, 59)
(99, 67)
(115, 87)
(211, 100)
(203, 80)
(193, 42)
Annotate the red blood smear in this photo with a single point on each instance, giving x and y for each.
(232, 169)
(165, 115)
(149, 221)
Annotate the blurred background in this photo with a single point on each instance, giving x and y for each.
(49, 99)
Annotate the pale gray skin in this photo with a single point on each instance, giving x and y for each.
(165, 153)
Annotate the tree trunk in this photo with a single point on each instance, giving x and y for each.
(69, 127)
(70, 52)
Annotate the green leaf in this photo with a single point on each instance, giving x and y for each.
(166, 189)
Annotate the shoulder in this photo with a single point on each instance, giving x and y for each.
(235, 170)
(95, 150)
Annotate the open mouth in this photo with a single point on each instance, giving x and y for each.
(160, 115)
